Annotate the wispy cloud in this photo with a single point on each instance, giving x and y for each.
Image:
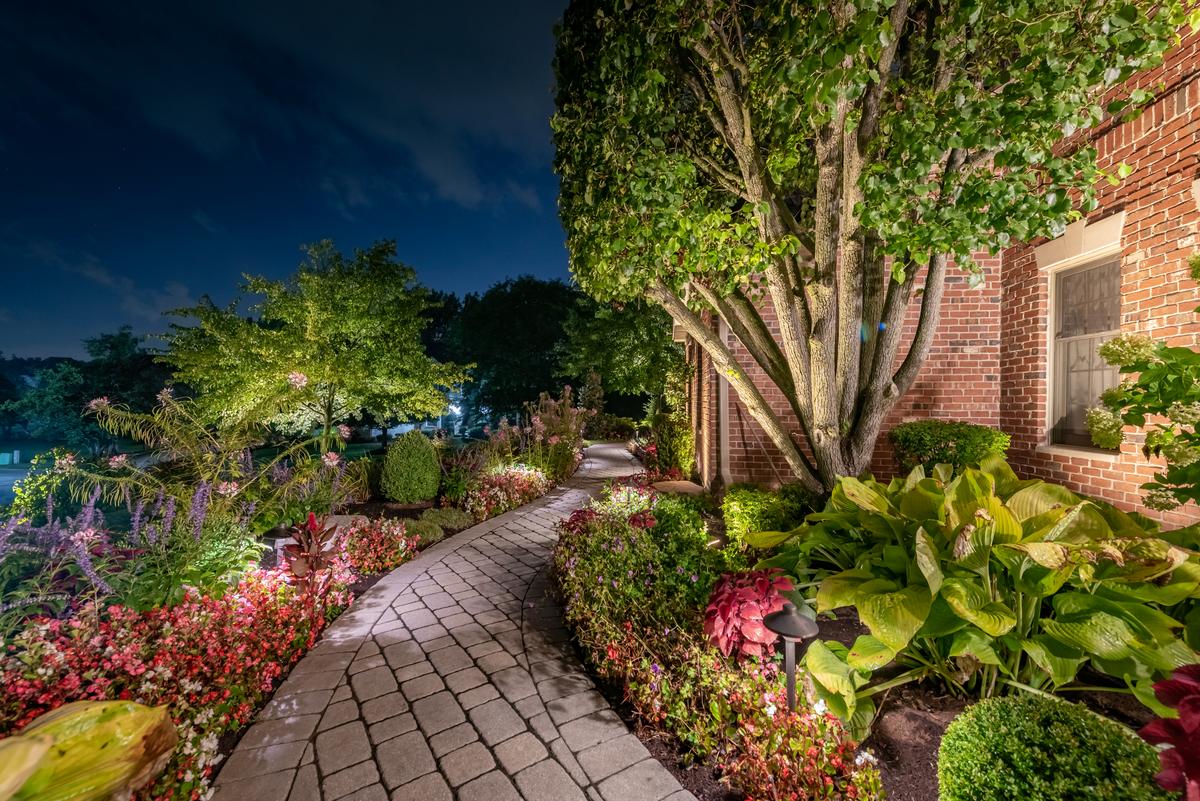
(232, 75)
(202, 219)
(140, 302)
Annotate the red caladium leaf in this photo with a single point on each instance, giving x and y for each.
(1180, 761)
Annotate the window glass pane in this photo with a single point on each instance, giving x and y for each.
(1089, 300)
(1088, 308)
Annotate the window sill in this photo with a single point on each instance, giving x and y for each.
(1080, 452)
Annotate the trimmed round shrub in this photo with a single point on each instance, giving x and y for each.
(931, 442)
(449, 518)
(1031, 746)
(748, 509)
(426, 532)
(411, 472)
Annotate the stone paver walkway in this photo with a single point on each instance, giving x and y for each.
(453, 678)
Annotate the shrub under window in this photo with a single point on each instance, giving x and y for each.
(931, 442)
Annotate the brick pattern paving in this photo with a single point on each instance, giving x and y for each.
(453, 678)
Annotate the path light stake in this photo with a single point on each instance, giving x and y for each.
(794, 628)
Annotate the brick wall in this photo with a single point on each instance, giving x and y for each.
(989, 361)
(1157, 295)
(958, 381)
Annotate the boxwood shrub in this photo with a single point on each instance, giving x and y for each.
(930, 442)
(748, 508)
(411, 472)
(1036, 747)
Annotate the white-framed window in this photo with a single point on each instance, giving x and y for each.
(1086, 313)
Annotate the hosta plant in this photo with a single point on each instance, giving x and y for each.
(733, 620)
(1178, 737)
(988, 584)
(95, 751)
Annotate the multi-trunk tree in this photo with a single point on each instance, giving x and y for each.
(823, 166)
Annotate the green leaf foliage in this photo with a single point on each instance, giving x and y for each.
(750, 510)
(1160, 394)
(1036, 747)
(931, 442)
(987, 590)
(769, 161)
(341, 336)
(411, 471)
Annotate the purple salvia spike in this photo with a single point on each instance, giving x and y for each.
(135, 520)
(168, 518)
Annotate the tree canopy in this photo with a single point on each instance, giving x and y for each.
(342, 335)
(819, 160)
(628, 344)
(511, 334)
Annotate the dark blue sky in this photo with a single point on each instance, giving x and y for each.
(151, 153)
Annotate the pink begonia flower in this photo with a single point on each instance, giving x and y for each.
(344, 431)
(297, 379)
(95, 404)
(65, 462)
(331, 459)
(118, 461)
(227, 488)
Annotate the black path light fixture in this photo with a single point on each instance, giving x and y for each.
(794, 628)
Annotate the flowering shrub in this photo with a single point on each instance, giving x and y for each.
(503, 488)
(1180, 760)
(210, 659)
(1159, 393)
(373, 546)
(634, 597)
(733, 620)
(792, 755)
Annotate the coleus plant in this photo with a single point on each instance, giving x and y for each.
(987, 584)
(1180, 759)
(733, 620)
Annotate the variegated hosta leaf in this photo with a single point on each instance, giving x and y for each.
(894, 617)
(770, 539)
(1060, 661)
(868, 653)
(1096, 634)
(1039, 498)
(927, 561)
(832, 677)
(842, 589)
(973, 642)
(971, 602)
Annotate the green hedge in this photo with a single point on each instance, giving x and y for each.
(748, 508)
(930, 442)
(1034, 747)
(411, 472)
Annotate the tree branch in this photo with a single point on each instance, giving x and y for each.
(749, 394)
(931, 308)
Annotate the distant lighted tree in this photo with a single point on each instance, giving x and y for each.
(340, 337)
(628, 344)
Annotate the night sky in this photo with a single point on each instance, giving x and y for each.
(150, 153)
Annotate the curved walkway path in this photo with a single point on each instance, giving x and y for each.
(453, 678)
